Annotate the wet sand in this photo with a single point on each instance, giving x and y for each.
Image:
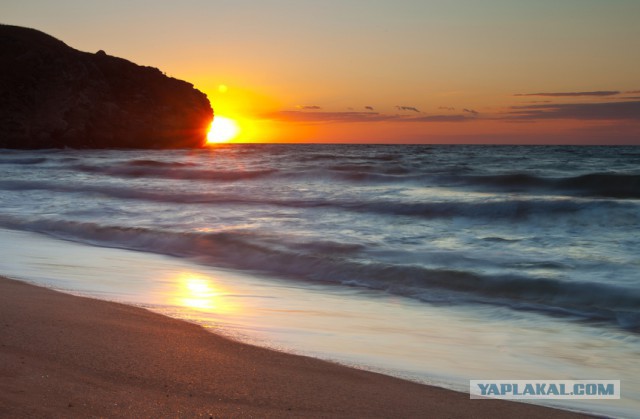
(68, 356)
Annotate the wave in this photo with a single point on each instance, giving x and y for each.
(510, 209)
(344, 155)
(608, 185)
(341, 263)
(164, 170)
(358, 173)
(507, 209)
(605, 184)
(370, 169)
(367, 171)
(158, 163)
(25, 160)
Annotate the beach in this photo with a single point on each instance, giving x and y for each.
(432, 264)
(223, 219)
(63, 355)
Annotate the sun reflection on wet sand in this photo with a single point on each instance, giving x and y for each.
(201, 293)
(441, 344)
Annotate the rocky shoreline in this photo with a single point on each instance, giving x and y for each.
(54, 96)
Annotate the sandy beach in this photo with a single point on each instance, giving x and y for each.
(62, 355)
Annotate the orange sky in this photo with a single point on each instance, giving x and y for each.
(409, 71)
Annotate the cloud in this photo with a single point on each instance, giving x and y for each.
(309, 107)
(581, 111)
(369, 108)
(573, 94)
(633, 92)
(471, 111)
(439, 118)
(350, 116)
(447, 108)
(407, 108)
(333, 117)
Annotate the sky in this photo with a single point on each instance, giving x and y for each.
(378, 71)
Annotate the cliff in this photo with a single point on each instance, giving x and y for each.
(52, 95)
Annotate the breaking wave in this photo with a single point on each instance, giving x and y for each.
(608, 185)
(338, 263)
(163, 170)
(379, 169)
(515, 208)
(554, 235)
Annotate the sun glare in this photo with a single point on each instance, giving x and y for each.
(201, 293)
(222, 130)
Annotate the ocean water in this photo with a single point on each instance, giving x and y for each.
(438, 263)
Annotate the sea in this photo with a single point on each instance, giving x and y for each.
(436, 263)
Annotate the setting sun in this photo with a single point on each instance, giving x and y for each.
(222, 130)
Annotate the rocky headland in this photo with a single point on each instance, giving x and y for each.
(53, 96)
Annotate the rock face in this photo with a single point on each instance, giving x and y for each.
(52, 95)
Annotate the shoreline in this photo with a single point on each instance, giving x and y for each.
(63, 355)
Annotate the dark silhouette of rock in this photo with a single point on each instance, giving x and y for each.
(52, 95)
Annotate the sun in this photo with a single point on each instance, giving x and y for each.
(222, 130)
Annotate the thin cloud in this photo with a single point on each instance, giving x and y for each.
(334, 117)
(446, 108)
(633, 92)
(408, 108)
(580, 111)
(471, 111)
(573, 94)
(439, 118)
(369, 108)
(301, 116)
(309, 107)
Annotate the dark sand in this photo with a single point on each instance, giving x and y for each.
(67, 356)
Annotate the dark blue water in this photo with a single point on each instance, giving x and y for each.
(442, 263)
(544, 229)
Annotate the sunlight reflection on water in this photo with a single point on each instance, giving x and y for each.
(439, 344)
(200, 293)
